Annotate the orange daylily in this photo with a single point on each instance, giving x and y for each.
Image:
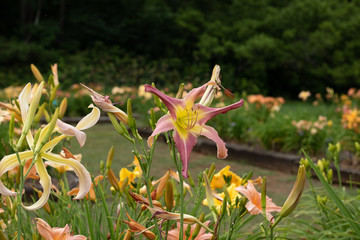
(49, 233)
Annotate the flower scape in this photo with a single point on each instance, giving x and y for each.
(37, 198)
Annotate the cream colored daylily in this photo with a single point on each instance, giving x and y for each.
(42, 149)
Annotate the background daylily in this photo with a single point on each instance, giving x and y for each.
(49, 233)
(218, 180)
(188, 120)
(254, 203)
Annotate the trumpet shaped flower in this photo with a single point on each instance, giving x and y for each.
(254, 204)
(174, 234)
(49, 233)
(41, 150)
(188, 120)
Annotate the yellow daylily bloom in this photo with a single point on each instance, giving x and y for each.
(218, 180)
(219, 198)
(42, 150)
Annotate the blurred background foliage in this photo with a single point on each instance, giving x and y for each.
(265, 46)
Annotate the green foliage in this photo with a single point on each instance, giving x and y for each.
(279, 47)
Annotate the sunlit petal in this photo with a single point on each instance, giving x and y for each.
(165, 123)
(8, 163)
(45, 181)
(79, 169)
(51, 144)
(24, 98)
(89, 120)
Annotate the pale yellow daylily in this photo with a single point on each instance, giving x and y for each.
(42, 150)
(85, 123)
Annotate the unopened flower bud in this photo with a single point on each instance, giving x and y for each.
(110, 158)
(113, 180)
(295, 194)
(169, 196)
(180, 92)
(63, 107)
(36, 73)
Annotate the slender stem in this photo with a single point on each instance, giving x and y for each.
(89, 219)
(111, 229)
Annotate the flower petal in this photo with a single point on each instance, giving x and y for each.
(69, 130)
(79, 169)
(24, 98)
(44, 229)
(9, 162)
(206, 113)
(52, 143)
(89, 120)
(165, 123)
(212, 134)
(194, 94)
(45, 181)
(184, 146)
(171, 103)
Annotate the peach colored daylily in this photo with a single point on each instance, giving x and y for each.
(106, 105)
(188, 120)
(174, 234)
(254, 203)
(49, 233)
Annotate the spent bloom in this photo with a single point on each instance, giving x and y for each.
(106, 105)
(41, 147)
(49, 233)
(254, 204)
(188, 120)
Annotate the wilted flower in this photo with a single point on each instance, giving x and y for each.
(49, 233)
(138, 228)
(106, 105)
(188, 120)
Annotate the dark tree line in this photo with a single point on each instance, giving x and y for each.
(269, 46)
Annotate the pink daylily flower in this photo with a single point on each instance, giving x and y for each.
(49, 233)
(188, 120)
(175, 233)
(254, 204)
